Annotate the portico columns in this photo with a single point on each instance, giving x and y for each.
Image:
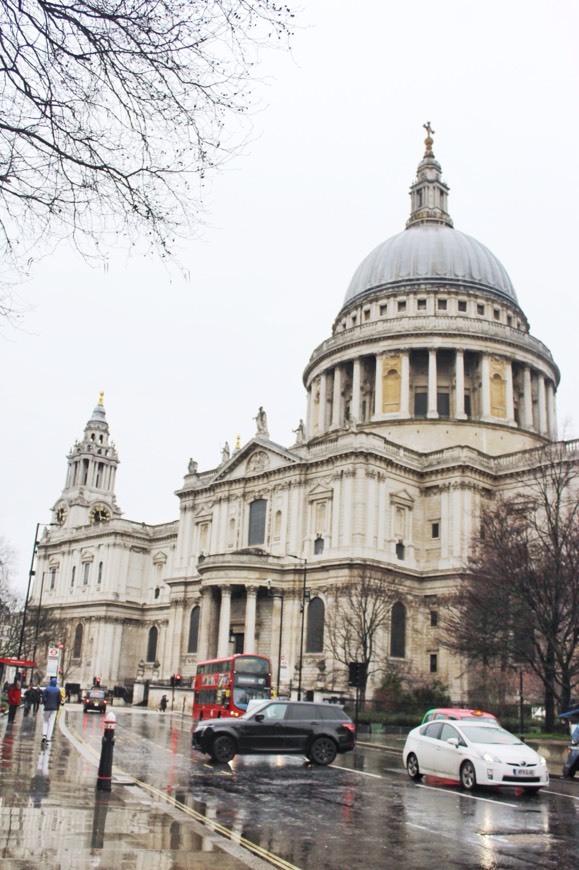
(205, 613)
(432, 412)
(485, 387)
(337, 398)
(459, 385)
(250, 612)
(378, 387)
(405, 384)
(542, 404)
(527, 399)
(509, 392)
(322, 405)
(224, 622)
(356, 382)
(551, 411)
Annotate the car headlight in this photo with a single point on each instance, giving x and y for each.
(491, 759)
(542, 760)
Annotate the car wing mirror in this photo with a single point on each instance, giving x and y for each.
(453, 741)
(259, 718)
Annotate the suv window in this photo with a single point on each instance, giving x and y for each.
(331, 713)
(299, 712)
(274, 711)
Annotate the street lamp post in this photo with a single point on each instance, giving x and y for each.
(303, 608)
(31, 573)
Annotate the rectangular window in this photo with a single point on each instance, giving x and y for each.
(366, 314)
(421, 304)
(100, 574)
(73, 574)
(402, 305)
(467, 405)
(480, 309)
(433, 663)
(420, 404)
(85, 573)
(435, 530)
(52, 578)
(383, 309)
(462, 304)
(497, 314)
(257, 511)
(433, 618)
(400, 551)
(442, 304)
(443, 404)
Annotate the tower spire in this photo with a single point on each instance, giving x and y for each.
(429, 193)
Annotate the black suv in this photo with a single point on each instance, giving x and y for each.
(318, 731)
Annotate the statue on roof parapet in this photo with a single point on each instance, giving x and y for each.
(261, 420)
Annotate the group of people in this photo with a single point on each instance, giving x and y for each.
(50, 697)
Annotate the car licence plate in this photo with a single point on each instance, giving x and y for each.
(523, 771)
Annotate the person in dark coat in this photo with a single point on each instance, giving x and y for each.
(52, 699)
(14, 698)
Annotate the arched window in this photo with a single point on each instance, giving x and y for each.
(315, 626)
(318, 546)
(257, 510)
(398, 631)
(193, 630)
(152, 644)
(77, 645)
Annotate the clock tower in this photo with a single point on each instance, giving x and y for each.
(89, 492)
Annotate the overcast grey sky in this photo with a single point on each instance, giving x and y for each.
(186, 359)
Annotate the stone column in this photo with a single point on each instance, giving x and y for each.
(485, 387)
(250, 613)
(432, 412)
(459, 385)
(204, 623)
(356, 383)
(337, 415)
(509, 391)
(322, 410)
(378, 387)
(551, 410)
(405, 384)
(309, 412)
(542, 404)
(527, 399)
(224, 622)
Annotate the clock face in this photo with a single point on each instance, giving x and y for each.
(100, 514)
(60, 514)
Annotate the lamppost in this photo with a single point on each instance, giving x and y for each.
(31, 574)
(305, 595)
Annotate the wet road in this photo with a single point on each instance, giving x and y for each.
(362, 812)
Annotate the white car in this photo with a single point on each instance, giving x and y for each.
(474, 753)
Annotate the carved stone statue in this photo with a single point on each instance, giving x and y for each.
(300, 432)
(192, 467)
(225, 453)
(261, 420)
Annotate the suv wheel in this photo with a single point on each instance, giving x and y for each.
(322, 751)
(223, 748)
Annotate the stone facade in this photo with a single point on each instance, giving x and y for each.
(429, 398)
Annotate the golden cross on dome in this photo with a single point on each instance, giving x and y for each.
(428, 141)
(101, 397)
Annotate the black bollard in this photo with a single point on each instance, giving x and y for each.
(105, 773)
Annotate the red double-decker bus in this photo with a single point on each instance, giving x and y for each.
(224, 687)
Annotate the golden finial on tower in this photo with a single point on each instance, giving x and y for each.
(101, 397)
(237, 442)
(429, 141)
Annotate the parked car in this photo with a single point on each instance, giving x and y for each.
(274, 727)
(473, 753)
(460, 713)
(96, 699)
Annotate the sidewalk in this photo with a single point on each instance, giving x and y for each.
(51, 815)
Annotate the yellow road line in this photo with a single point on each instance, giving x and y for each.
(272, 859)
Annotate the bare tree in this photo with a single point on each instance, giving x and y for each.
(518, 603)
(111, 109)
(356, 627)
(10, 604)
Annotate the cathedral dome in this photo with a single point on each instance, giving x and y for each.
(430, 250)
(430, 253)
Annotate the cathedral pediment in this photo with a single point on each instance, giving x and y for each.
(257, 457)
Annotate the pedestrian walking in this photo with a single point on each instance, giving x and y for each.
(14, 698)
(35, 698)
(163, 704)
(51, 698)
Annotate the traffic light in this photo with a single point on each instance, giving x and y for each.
(172, 680)
(96, 681)
(177, 679)
(357, 672)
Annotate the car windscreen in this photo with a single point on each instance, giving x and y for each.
(496, 736)
(96, 696)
